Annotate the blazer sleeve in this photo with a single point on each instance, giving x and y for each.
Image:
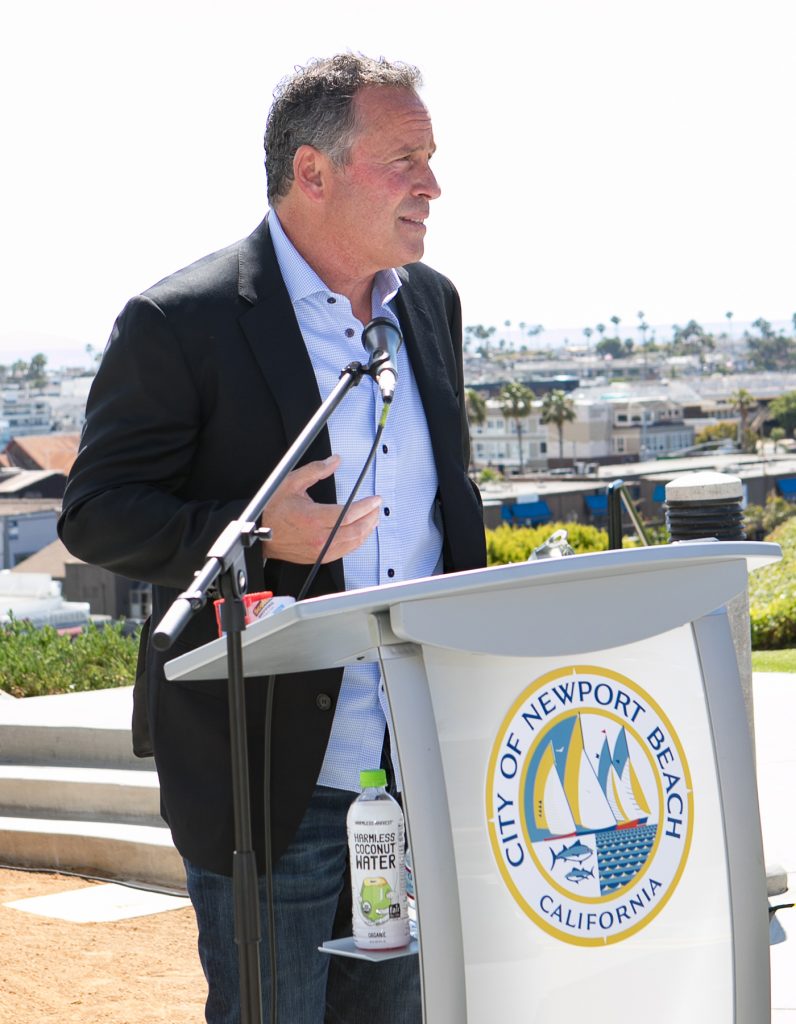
(123, 507)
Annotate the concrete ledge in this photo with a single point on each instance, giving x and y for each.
(135, 853)
(57, 792)
(92, 745)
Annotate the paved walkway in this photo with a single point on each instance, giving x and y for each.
(775, 720)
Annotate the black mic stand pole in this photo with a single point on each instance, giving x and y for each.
(226, 560)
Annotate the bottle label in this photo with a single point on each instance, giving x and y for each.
(376, 846)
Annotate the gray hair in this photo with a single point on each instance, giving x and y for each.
(315, 107)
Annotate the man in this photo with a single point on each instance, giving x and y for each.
(207, 378)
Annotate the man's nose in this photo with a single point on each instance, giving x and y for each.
(427, 185)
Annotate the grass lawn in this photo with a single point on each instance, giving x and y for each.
(774, 661)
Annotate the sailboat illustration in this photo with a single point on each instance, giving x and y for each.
(621, 785)
(570, 798)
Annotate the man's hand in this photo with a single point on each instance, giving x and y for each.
(300, 526)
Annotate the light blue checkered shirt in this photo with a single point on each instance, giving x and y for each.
(407, 543)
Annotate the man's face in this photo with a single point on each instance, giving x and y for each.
(378, 202)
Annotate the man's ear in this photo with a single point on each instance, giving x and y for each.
(309, 172)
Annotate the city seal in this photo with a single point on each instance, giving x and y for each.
(589, 805)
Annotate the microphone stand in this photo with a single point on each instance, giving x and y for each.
(226, 560)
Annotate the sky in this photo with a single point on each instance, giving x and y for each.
(596, 157)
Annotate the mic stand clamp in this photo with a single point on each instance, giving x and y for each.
(226, 560)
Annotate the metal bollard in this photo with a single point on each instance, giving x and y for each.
(709, 504)
(705, 504)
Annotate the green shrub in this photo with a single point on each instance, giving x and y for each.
(35, 662)
(507, 543)
(772, 594)
(762, 519)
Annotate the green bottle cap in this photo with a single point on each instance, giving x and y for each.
(373, 779)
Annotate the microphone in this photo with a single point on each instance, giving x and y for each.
(382, 339)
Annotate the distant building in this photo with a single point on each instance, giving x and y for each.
(104, 591)
(623, 422)
(37, 598)
(22, 412)
(31, 483)
(56, 451)
(497, 441)
(58, 406)
(26, 526)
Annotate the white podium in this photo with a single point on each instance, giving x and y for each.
(578, 779)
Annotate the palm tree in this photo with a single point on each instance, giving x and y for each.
(516, 401)
(616, 320)
(742, 401)
(475, 404)
(558, 408)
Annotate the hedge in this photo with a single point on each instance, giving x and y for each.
(772, 590)
(507, 543)
(35, 662)
(772, 594)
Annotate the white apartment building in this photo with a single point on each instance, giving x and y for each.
(497, 441)
(649, 427)
(618, 421)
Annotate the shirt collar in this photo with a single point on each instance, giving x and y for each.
(301, 280)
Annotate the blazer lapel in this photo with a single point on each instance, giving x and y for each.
(272, 332)
(435, 378)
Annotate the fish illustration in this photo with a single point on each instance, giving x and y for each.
(577, 875)
(577, 851)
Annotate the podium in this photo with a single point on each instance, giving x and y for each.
(579, 783)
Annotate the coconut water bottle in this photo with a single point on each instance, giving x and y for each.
(376, 850)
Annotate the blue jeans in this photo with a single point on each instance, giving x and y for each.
(313, 988)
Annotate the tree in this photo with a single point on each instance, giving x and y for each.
(615, 320)
(558, 409)
(36, 370)
(724, 430)
(742, 401)
(777, 435)
(643, 326)
(692, 339)
(482, 334)
(770, 351)
(612, 347)
(783, 409)
(516, 402)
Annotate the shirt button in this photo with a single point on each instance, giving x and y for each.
(386, 511)
(323, 702)
(349, 332)
(331, 300)
(391, 573)
(384, 448)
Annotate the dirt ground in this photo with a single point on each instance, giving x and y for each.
(143, 970)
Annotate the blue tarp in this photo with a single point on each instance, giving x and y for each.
(526, 513)
(787, 487)
(659, 494)
(597, 504)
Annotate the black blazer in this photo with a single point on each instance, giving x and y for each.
(204, 383)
